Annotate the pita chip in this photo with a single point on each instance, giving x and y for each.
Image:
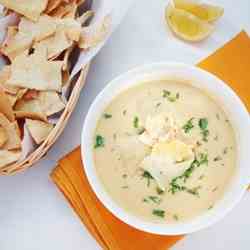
(91, 36)
(3, 136)
(14, 141)
(36, 72)
(5, 106)
(31, 9)
(52, 4)
(50, 102)
(29, 109)
(8, 157)
(38, 130)
(43, 28)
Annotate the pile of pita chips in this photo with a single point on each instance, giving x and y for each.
(36, 76)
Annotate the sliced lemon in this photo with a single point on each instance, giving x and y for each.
(205, 12)
(186, 25)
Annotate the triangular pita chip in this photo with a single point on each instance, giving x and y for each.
(29, 109)
(36, 72)
(4, 76)
(52, 4)
(92, 35)
(14, 140)
(5, 106)
(8, 157)
(29, 8)
(39, 130)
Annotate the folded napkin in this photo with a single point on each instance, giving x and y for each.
(231, 63)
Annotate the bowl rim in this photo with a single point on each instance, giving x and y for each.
(202, 221)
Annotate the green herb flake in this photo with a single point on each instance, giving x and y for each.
(218, 158)
(172, 98)
(99, 141)
(124, 176)
(210, 207)
(176, 217)
(154, 199)
(145, 200)
(203, 124)
(136, 122)
(124, 112)
(159, 191)
(158, 104)
(107, 116)
(188, 125)
(140, 130)
(158, 212)
(225, 150)
(148, 177)
(125, 187)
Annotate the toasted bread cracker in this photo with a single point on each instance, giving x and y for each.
(8, 157)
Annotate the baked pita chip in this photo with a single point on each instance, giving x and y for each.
(55, 45)
(11, 32)
(29, 109)
(14, 141)
(50, 102)
(31, 9)
(5, 106)
(71, 27)
(91, 36)
(4, 76)
(85, 17)
(39, 130)
(8, 157)
(3, 136)
(36, 72)
(43, 28)
(14, 98)
(17, 45)
(65, 10)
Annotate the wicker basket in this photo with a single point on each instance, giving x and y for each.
(42, 149)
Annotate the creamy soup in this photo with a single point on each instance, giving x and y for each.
(164, 151)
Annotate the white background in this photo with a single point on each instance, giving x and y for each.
(33, 213)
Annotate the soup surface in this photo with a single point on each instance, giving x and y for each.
(164, 151)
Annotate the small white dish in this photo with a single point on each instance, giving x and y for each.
(221, 93)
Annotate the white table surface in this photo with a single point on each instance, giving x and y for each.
(35, 216)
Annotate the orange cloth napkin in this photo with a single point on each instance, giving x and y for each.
(232, 64)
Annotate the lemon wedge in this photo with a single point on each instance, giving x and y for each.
(186, 25)
(205, 12)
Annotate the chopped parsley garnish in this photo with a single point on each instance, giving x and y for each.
(225, 150)
(210, 207)
(124, 112)
(175, 186)
(107, 116)
(159, 191)
(203, 124)
(158, 104)
(125, 187)
(218, 158)
(148, 177)
(176, 217)
(136, 122)
(172, 98)
(141, 130)
(159, 213)
(154, 199)
(99, 141)
(188, 125)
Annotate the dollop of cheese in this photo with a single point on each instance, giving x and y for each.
(158, 128)
(169, 156)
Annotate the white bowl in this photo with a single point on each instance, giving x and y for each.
(221, 93)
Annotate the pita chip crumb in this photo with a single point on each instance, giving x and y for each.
(39, 130)
(8, 157)
(29, 8)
